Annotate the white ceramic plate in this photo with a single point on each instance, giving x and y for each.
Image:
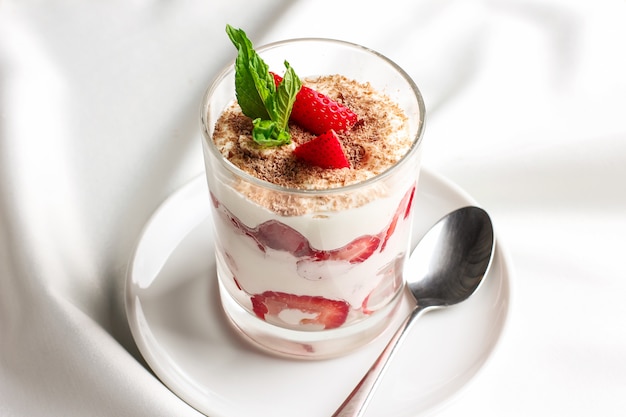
(177, 322)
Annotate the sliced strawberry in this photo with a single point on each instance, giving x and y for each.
(278, 236)
(324, 151)
(318, 310)
(237, 283)
(390, 283)
(409, 205)
(357, 251)
(390, 229)
(403, 209)
(317, 113)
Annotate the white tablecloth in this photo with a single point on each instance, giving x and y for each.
(99, 109)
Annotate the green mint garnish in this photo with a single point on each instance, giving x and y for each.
(259, 98)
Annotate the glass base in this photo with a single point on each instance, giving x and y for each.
(306, 344)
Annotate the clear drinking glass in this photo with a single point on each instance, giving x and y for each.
(281, 280)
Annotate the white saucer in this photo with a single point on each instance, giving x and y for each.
(178, 324)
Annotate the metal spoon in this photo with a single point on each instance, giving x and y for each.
(451, 259)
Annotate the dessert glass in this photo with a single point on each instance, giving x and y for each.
(313, 273)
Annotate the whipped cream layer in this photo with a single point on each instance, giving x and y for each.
(365, 284)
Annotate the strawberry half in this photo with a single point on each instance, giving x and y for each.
(317, 113)
(325, 151)
(318, 310)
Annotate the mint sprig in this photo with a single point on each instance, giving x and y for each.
(259, 98)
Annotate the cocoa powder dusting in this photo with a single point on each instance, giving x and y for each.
(375, 143)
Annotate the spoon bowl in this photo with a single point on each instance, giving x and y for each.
(451, 260)
(447, 266)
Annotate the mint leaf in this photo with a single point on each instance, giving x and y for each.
(285, 97)
(257, 94)
(268, 133)
(253, 84)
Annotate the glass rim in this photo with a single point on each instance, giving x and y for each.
(306, 192)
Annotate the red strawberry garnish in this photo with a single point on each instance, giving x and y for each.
(328, 313)
(317, 113)
(357, 251)
(324, 151)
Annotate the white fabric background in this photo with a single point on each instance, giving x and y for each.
(99, 109)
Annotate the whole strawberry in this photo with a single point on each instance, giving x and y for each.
(317, 113)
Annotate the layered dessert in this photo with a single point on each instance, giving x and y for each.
(312, 229)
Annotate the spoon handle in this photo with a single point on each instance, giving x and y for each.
(357, 401)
